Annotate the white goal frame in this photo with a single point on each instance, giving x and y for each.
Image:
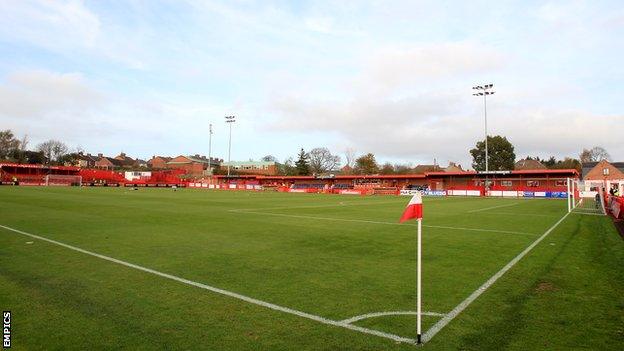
(578, 192)
(62, 180)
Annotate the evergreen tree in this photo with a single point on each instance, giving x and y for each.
(303, 164)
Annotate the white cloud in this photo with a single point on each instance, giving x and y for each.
(50, 24)
(30, 94)
(49, 105)
(393, 67)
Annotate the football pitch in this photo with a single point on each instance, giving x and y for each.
(104, 268)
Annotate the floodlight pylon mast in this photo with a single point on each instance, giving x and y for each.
(485, 90)
(229, 120)
(210, 151)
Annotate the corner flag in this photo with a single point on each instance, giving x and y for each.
(414, 210)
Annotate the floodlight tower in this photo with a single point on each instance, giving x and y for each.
(229, 120)
(210, 150)
(485, 90)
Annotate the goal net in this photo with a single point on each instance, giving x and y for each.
(63, 180)
(586, 197)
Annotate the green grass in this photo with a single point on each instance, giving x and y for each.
(331, 256)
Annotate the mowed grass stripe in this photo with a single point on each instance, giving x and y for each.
(220, 291)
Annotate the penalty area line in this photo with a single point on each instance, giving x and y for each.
(389, 313)
(248, 299)
(470, 299)
(493, 207)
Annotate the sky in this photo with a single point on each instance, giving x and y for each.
(392, 78)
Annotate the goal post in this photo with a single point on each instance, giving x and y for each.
(586, 197)
(63, 180)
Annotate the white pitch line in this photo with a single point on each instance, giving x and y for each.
(389, 313)
(340, 204)
(459, 308)
(588, 213)
(387, 223)
(223, 292)
(522, 214)
(493, 207)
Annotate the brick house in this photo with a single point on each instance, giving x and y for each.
(605, 174)
(85, 161)
(158, 162)
(193, 165)
(453, 167)
(108, 163)
(126, 162)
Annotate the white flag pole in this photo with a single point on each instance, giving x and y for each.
(418, 276)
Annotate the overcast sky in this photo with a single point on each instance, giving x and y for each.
(389, 77)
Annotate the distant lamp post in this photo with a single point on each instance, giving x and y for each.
(210, 151)
(229, 120)
(485, 90)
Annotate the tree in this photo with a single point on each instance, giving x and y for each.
(350, 157)
(568, 163)
(302, 164)
(322, 160)
(402, 169)
(387, 168)
(595, 154)
(8, 143)
(70, 159)
(33, 157)
(501, 154)
(366, 164)
(269, 158)
(550, 163)
(287, 168)
(53, 150)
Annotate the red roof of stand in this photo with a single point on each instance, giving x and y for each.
(21, 165)
(518, 172)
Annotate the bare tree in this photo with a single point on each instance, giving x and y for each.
(322, 160)
(350, 157)
(53, 150)
(595, 154)
(23, 143)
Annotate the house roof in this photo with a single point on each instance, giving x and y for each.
(588, 166)
(529, 164)
(164, 158)
(87, 157)
(182, 159)
(426, 168)
(112, 160)
(125, 160)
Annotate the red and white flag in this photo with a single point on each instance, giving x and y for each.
(414, 209)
